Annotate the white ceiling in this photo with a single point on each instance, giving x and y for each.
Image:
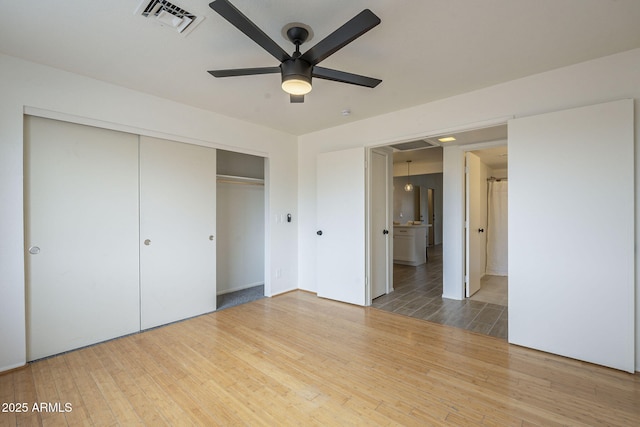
(494, 157)
(491, 144)
(423, 50)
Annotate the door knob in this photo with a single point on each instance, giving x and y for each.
(211, 237)
(480, 230)
(147, 242)
(319, 232)
(385, 231)
(34, 250)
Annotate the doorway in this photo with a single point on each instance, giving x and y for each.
(486, 195)
(418, 290)
(240, 275)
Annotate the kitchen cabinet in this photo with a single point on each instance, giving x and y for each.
(409, 244)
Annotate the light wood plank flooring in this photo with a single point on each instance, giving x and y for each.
(297, 359)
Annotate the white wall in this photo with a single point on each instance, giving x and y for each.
(240, 236)
(453, 236)
(610, 78)
(418, 167)
(24, 84)
(499, 173)
(403, 201)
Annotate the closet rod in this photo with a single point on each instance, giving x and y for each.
(493, 178)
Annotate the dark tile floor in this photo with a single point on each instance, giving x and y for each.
(418, 293)
(243, 296)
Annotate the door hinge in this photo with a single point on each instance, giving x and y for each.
(466, 279)
(466, 169)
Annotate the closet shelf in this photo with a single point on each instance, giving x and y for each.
(231, 179)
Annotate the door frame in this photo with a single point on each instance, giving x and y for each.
(466, 149)
(453, 257)
(454, 195)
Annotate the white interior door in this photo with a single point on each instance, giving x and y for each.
(177, 231)
(81, 225)
(380, 262)
(571, 263)
(474, 226)
(341, 226)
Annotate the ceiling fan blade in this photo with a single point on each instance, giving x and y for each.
(344, 77)
(244, 71)
(251, 30)
(296, 99)
(354, 28)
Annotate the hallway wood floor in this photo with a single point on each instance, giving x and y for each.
(297, 359)
(418, 293)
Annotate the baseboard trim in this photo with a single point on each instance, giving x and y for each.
(11, 370)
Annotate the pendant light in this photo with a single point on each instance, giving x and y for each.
(408, 186)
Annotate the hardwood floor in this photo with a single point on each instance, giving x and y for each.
(297, 359)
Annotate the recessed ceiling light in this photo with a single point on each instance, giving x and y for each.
(446, 139)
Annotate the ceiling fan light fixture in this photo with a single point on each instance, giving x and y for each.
(295, 85)
(298, 68)
(296, 77)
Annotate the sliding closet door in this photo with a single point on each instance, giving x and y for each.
(177, 231)
(571, 233)
(81, 228)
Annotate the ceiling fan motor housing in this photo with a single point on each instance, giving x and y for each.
(296, 69)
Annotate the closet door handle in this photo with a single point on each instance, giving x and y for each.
(147, 242)
(319, 232)
(385, 231)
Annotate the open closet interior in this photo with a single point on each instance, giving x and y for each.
(240, 228)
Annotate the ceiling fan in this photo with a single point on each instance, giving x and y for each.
(298, 68)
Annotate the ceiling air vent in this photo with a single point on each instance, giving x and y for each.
(415, 145)
(168, 15)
